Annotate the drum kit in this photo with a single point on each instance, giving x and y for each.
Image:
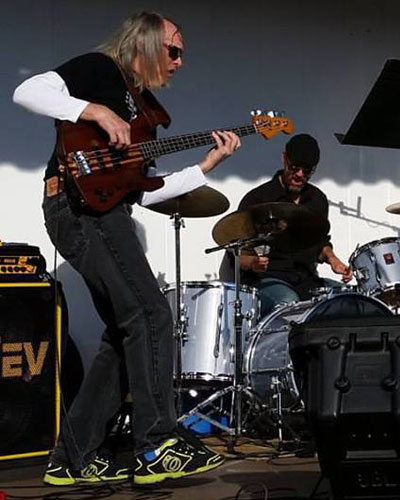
(223, 346)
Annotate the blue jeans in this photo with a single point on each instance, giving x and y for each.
(273, 291)
(136, 349)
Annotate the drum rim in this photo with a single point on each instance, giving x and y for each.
(206, 377)
(379, 289)
(210, 284)
(314, 302)
(371, 244)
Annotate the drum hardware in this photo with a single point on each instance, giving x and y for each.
(218, 331)
(236, 352)
(180, 322)
(201, 202)
(362, 274)
(277, 385)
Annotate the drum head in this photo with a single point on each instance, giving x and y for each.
(347, 305)
(267, 359)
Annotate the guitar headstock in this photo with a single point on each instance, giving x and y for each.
(270, 123)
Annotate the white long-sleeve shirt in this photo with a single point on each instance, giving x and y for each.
(47, 94)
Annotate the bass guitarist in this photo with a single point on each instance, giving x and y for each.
(109, 89)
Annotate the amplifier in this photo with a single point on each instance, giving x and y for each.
(31, 332)
(21, 262)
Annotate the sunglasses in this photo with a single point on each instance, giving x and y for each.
(307, 171)
(174, 52)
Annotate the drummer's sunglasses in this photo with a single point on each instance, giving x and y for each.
(307, 171)
(174, 52)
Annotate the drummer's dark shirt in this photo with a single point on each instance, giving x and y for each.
(297, 268)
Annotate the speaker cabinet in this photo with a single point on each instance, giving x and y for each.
(31, 319)
(350, 373)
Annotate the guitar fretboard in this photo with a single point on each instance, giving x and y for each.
(160, 147)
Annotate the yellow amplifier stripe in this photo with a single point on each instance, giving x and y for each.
(25, 455)
(11, 285)
(58, 363)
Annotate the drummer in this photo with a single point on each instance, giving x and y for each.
(287, 276)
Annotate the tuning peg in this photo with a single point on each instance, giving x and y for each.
(256, 112)
(274, 114)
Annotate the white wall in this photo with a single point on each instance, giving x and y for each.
(317, 60)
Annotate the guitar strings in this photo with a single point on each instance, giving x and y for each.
(171, 141)
(151, 149)
(158, 145)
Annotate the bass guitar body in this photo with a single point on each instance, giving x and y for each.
(104, 175)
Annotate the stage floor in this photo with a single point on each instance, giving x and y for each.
(254, 472)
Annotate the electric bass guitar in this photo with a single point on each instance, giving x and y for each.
(104, 175)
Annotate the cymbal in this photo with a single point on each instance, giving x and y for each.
(393, 209)
(292, 227)
(201, 202)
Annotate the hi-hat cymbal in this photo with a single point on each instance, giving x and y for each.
(393, 209)
(292, 227)
(201, 202)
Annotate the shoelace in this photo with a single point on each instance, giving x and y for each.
(185, 447)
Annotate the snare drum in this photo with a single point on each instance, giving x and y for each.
(209, 338)
(267, 362)
(376, 268)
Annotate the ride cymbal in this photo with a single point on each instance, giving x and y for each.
(289, 227)
(394, 208)
(201, 202)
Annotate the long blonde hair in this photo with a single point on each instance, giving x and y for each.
(140, 36)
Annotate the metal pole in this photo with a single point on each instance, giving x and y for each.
(179, 322)
(238, 375)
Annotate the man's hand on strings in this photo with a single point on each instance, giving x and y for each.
(118, 130)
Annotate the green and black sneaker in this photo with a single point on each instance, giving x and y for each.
(99, 469)
(61, 475)
(173, 459)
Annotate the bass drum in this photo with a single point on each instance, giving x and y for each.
(267, 364)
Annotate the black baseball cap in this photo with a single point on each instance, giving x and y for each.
(302, 150)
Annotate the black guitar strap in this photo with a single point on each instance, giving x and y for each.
(152, 110)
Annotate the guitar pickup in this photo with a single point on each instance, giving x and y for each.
(82, 163)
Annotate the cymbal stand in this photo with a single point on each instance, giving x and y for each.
(237, 387)
(180, 319)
